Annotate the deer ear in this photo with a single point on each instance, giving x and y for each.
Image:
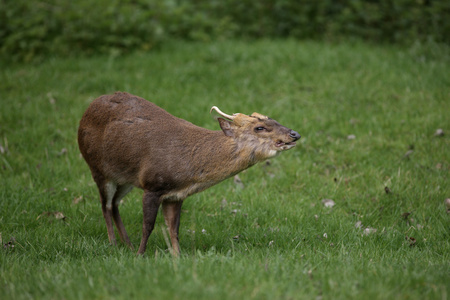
(227, 126)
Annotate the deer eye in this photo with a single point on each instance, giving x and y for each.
(259, 129)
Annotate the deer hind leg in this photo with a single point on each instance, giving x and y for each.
(150, 203)
(121, 191)
(172, 213)
(107, 190)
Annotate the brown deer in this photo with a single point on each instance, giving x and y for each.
(128, 141)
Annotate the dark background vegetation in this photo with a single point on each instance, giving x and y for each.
(31, 29)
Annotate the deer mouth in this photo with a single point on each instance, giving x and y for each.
(284, 145)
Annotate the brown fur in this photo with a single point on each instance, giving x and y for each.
(128, 141)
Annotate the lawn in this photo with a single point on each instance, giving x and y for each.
(375, 133)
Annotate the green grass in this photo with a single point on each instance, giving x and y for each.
(271, 240)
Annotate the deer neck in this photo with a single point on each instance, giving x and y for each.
(230, 157)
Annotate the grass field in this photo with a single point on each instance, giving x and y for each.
(368, 116)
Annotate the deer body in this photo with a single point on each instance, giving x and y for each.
(128, 141)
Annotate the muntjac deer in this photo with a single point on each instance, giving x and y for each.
(130, 142)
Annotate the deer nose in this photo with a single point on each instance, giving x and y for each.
(294, 134)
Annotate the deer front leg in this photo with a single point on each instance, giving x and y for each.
(150, 203)
(172, 212)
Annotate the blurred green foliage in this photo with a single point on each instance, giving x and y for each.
(34, 28)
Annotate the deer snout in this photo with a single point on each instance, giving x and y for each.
(294, 134)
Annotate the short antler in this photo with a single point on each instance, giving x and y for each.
(231, 117)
